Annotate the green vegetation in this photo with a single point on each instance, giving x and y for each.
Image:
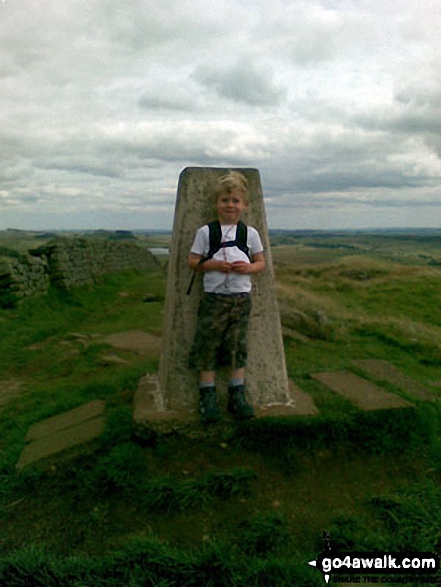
(250, 507)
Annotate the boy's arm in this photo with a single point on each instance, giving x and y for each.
(258, 263)
(194, 262)
(256, 266)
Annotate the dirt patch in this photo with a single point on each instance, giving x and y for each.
(135, 341)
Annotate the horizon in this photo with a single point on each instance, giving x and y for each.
(270, 229)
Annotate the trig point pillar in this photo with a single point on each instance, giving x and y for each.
(266, 376)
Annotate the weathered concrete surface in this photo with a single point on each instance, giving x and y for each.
(267, 380)
(301, 404)
(362, 393)
(384, 371)
(150, 417)
(63, 431)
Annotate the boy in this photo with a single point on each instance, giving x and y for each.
(224, 311)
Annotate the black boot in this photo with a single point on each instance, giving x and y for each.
(237, 403)
(208, 407)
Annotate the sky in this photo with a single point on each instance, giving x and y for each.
(104, 103)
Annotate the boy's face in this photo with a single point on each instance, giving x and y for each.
(230, 206)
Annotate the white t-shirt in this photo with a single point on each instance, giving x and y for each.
(226, 283)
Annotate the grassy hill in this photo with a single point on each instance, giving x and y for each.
(249, 507)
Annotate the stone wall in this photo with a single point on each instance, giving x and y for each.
(79, 261)
(22, 277)
(66, 263)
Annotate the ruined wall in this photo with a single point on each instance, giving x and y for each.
(79, 261)
(22, 277)
(66, 263)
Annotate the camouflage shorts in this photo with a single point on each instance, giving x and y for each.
(221, 332)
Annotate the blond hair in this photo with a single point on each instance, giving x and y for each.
(229, 182)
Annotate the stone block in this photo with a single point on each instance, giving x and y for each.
(63, 431)
(67, 438)
(267, 380)
(67, 419)
(301, 404)
(362, 393)
(151, 417)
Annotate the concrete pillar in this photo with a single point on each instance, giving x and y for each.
(267, 381)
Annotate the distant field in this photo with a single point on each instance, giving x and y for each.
(23, 241)
(406, 249)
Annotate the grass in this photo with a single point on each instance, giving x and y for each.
(147, 562)
(249, 508)
(408, 520)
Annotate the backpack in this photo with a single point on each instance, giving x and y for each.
(215, 235)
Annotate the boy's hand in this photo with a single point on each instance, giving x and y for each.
(256, 266)
(210, 265)
(215, 265)
(241, 267)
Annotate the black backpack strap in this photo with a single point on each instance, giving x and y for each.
(215, 233)
(215, 238)
(190, 285)
(242, 237)
(215, 243)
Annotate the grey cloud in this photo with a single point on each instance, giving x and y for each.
(9, 174)
(408, 121)
(245, 81)
(29, 199)
(101, 169)
(341, 180)
(318, 202)
(308, 34)
(168, 98)
(421, 96)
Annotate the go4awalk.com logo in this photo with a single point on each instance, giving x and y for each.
(376, 567)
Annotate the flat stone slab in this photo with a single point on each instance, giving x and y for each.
(74, 417)
(384, 371)
(63, 431)
(62, 440)
(362, 393)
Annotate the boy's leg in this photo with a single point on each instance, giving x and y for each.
(207, 377)
(208, 407)
(237, 402)
(238, 375)
(203, 357)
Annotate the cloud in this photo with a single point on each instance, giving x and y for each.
(244, 81)
(102, 104)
